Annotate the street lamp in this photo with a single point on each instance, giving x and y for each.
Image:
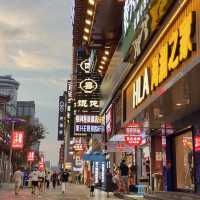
(12, 121)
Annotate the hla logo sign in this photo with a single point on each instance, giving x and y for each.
(174, 51)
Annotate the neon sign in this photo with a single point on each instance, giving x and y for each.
(88, 85)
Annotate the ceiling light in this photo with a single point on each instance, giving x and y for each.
(160, 115)
(104, 58)
(100, 67)
(88, 22)
(91, 2)
(89, 12)
(103, 62)
(86, 30)
(99, 71)
(85, 37)
(179, 104)
(106, 52)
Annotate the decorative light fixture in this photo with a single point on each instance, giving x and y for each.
(85, 37)
(88, 22)
(86, 30)
(107, 52)
(99, 71)
(103, 62)
(100, 67)
(104, 58)
(91, 2)
(89, 12)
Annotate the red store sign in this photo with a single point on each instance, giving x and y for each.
(17, 140)
(133, 135)
(31, 156)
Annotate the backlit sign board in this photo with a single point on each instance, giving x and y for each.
(31, 156)
(17, 140)
(61, 116)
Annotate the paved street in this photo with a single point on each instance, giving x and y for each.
(74, 192)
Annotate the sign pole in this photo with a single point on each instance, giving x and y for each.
(11, 151)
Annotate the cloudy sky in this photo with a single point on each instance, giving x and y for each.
(35, 48)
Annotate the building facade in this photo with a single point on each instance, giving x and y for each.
(26, 109)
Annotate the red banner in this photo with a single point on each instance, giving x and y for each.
(31, 156)
(17, 140)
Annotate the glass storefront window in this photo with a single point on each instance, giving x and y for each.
(184, 161)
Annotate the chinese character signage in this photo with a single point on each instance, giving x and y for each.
(141, 19)
(133, 136)
(41, 164)
(17, 139)
(31, 156)
(61, 116)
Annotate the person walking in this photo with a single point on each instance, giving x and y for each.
(92, 186)
(48, 179)
(64, 179)
(41, 179)
(54, 178)
(109, 183)
(124, 174)
(34, 179)
(17, 180)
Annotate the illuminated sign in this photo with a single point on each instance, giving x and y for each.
(94, 119)
(61, 118)
(109, 121)
(133, 135)
(197, 143)
(17, 141)
(86, 103)
(134, 11)
(103, 172)
(85, 66)
(141, 19)
(31, 156)
(88, 128)
(175, 50)
(88, 85)
(96, 169)
(41, 165)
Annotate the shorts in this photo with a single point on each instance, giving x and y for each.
(35, 183)
(41, 179)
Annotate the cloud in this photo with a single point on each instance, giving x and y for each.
(35, 61)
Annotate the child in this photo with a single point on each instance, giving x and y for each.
(92, 186)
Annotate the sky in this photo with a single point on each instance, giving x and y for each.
(36, 49)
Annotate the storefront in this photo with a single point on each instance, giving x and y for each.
(162, 93)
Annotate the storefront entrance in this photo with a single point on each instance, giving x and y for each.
(184, 161)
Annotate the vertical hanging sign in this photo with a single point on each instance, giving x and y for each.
(61, 120)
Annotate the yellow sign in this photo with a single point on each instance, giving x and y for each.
(176, 48)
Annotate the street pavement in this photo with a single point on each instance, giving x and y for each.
(74, 192)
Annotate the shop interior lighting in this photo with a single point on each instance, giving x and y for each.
(86, 30)
(179, 104)
(91, 2)
(89, 12)
(99, 71)
(85, 37)
(103, 62)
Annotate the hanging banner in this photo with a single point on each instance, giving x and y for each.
(31, 156)
(17, 140)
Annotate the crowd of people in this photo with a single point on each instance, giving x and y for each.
(40, 180)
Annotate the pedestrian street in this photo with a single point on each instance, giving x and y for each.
(73, 192)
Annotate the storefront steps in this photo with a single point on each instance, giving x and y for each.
(171, 196)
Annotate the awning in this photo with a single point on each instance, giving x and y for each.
(97, 157)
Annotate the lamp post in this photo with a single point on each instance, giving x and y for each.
(12, 121)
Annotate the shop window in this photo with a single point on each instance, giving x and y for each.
(184, 161)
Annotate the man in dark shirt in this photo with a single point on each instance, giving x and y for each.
(124, 174)
(64, 179)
